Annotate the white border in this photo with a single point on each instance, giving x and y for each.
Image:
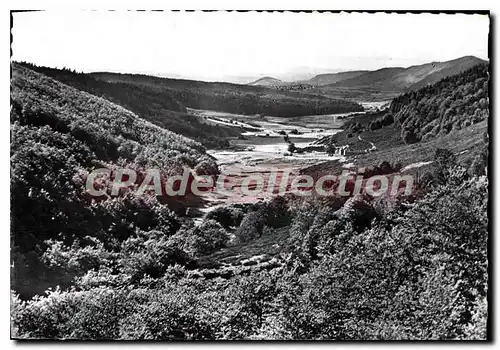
(200, 4)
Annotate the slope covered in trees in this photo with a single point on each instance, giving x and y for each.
(153, 103)
(59, 134)
(163, 101)
(452, 103)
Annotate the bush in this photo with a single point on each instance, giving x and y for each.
(385, 167)
(207, 167)
(387, 119)
(149, 253)
(443, 165)
(359, 212)
(408, 137)
(200, 240)
(276, 213)
(480, 163)
(375, 125)
(251, 227)
(226, 216)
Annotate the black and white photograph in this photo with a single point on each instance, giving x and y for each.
(250, 175)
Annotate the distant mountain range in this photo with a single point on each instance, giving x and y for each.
(268, 81)
(413, 77)
(391, 79)
(317, 80)
(332, 78)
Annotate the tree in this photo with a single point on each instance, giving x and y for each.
(251, 227)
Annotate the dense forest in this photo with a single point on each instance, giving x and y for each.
(394, 267)
(452, 103)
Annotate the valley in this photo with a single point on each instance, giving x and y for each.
(262, 148)
(65, 124)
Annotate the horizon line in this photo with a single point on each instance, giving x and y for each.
(255, 78)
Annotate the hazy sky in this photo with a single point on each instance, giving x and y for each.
(222, 45)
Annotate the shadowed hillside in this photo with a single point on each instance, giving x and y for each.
(452, 103)
(239, 99)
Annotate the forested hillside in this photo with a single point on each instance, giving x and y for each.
(58, 135)
(153, 103)
(163, 101)
(450, 104)
(240, 99)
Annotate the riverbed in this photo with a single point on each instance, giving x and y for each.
(262, 149)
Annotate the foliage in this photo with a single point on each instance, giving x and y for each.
(251, 226)
(59, 135)
(201, 240)
(226, 216)
(128, 267)
(386, 120)
(153, 103)
(149, 253)
(452, 103)
(421, 276)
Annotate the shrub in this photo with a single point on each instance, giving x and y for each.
(375, 125)
(443, 165)
(207, 167)
(226, 216)
(387, 119)
(359, 212)
(479, 163)
(276, 213)
(408, 136)
(251, 227)
(200, 240)
(149, 253)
